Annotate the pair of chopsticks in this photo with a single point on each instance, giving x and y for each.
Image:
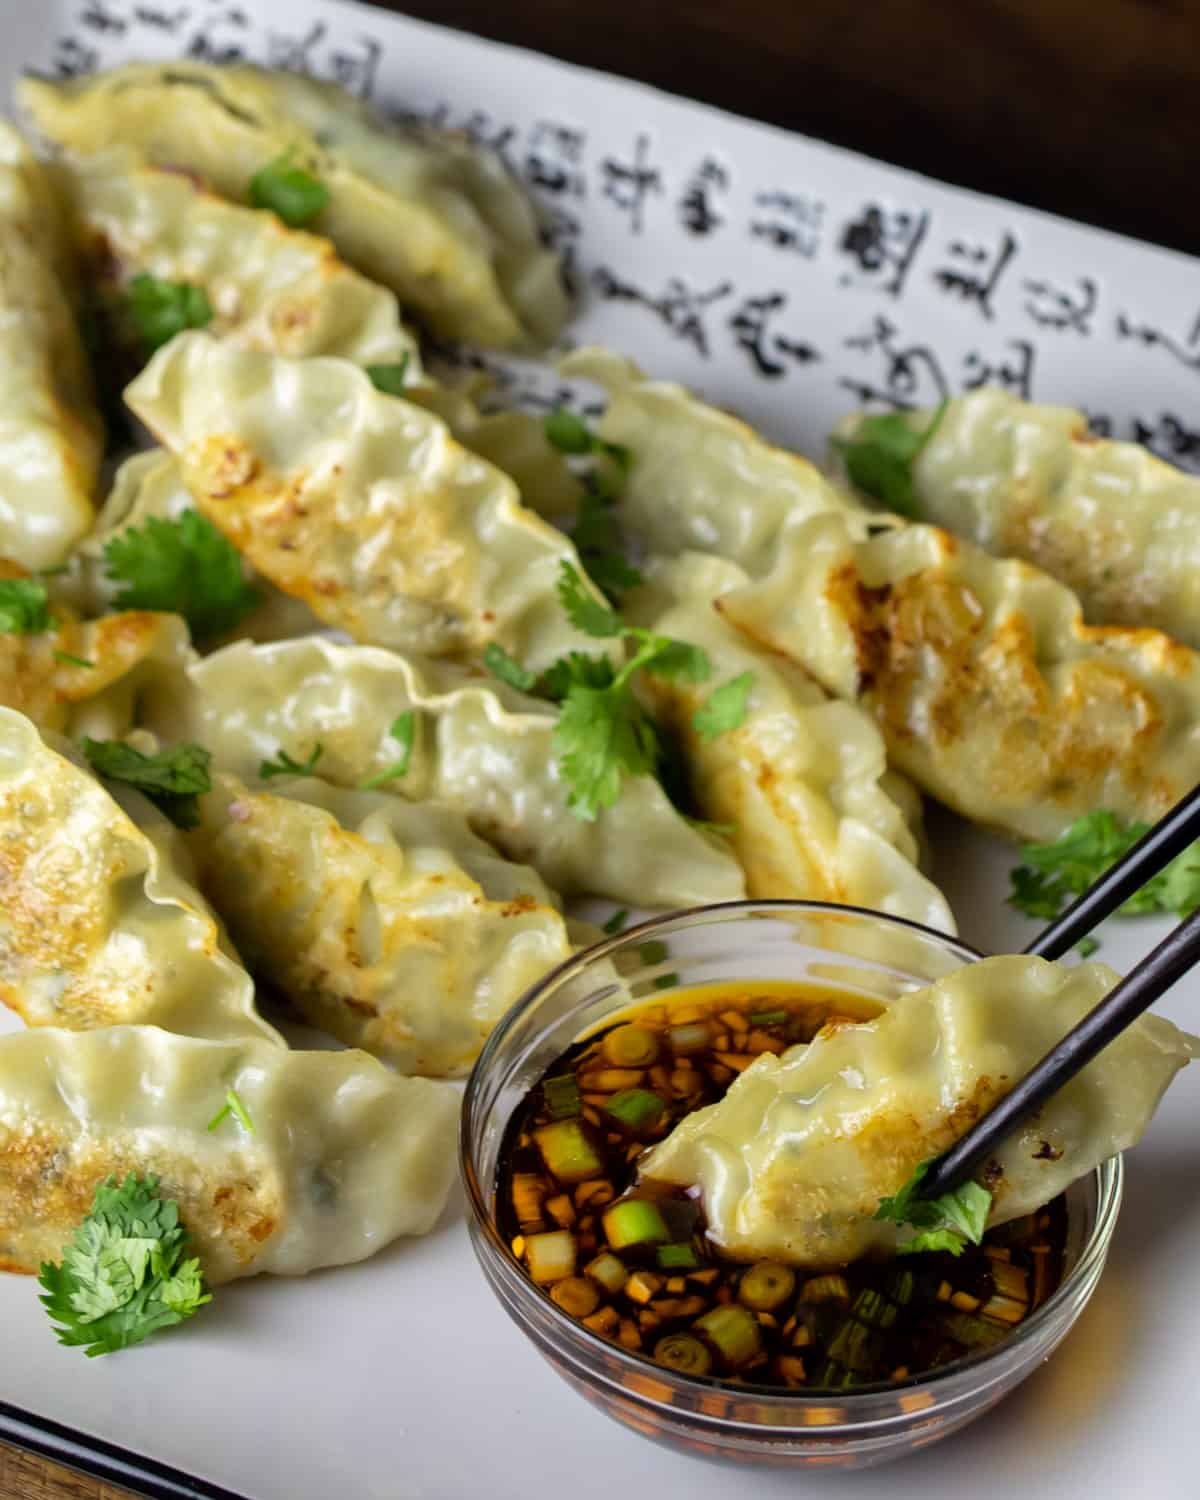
(1145, 984)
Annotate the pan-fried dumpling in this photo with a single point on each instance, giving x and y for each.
(700, 480)
(425, 212)
(478, 745)
(385, 922)
(269, 287)
(344, 1156)
(100, 923)
(794, 1159)
(1109, 519)
(50, 437)
(990, 691)
(802, 781)
(85, 677)
(359, 503)
(149, 486)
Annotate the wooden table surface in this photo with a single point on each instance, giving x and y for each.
(1085, 107)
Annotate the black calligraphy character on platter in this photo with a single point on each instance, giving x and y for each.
(71, 58)
(680, 308)
(629, 183)
(1059, 308)
(1014, 371)
(1186, 350)
(697, 208)
(97, 16)
(160, 20)
(789, 221)
(1170, 439)
(1099, 424)
(883, 243)
(293, 53)
(768, 350)
(356, 70)
(554, 159)
(911, 374)
(975, 271)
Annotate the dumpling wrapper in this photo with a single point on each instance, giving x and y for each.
(359, 503)
(344, 1158)
(700, 480)
(101, 923)
(425, 212)
(84, 677)
(794, 1160)
(1110, 520)
(991, 692)
(149, 486)
(269, 287)
(478, 745)
(50, 435)
(803, 780)
(387, 923)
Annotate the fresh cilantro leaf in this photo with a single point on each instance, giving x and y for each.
(616, 922)
(705, 826)
(1086, 946)
(582, 610)
(1054, 874)
(597, 538)
(879, 457)
(675, 659)
(233, 1106)
(24, 607)
(286, 766)
(507, 668)
(72, 661)
(567, 432)
(389, 378)
(602, 735)
(576, 668)
(123, 1277)
(184, 567)
(289, 191)
(960, 1215)
(173, 779)
(161, 309)
(403, 731)
(725, 708)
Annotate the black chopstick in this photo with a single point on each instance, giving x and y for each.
(1169, 837)
(1145, 984)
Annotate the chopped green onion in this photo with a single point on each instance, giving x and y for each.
(295, 195)
(608, 1271)
(653, 952)
(566, 432)
(403, 730)
(630, 1046)
(550, 1256)
(561, 1096)
(677, 1257)
(768, 1017)
(682, 1352)
(734, 1331)
(72, 661)
(161, 309)
(636, 1109)
(666, 981)
(615, 923)
(635, 1221)
(233, 1106)
(567, 1151)
(389, 379)
(692, 1037)
(767, 1286)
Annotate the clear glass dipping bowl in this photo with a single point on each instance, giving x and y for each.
(867, 954)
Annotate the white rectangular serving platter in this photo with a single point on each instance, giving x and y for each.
(792, 282)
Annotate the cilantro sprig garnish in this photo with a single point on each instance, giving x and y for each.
(596, 533)
(725, 708)
(880, 454)
(161, 309)
(390, 379)
(24, 607)
(124, 1275)
(1053, 874)
(946, 1223)
(172, 779)
(185, 567)
(403, 730)
(286, 766)
(296, 196)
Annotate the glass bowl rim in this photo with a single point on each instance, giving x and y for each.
(1109, 1176)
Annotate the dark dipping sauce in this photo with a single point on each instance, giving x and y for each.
(630, 1259)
